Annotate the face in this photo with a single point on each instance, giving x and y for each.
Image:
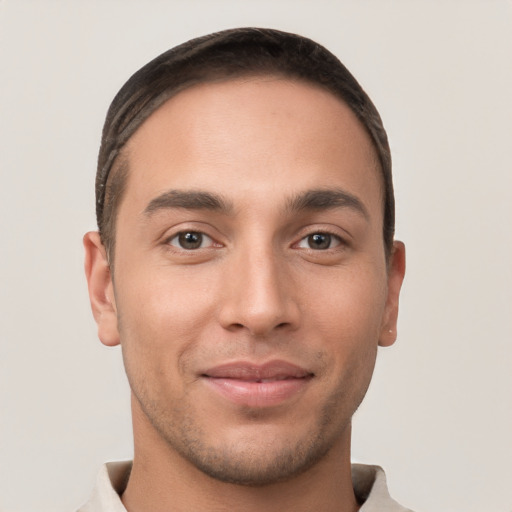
(251, 287)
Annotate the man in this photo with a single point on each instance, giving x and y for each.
(245, 263)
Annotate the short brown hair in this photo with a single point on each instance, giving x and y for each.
(222, 56)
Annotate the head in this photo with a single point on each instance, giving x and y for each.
(247, 176)
(218, 57)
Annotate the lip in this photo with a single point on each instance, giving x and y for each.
(254, 385)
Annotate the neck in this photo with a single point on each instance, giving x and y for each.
(162, 480)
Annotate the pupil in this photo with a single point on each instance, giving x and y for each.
(190, 240)
(319, 241)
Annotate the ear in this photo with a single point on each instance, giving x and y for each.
(101, 289)
(396, 272)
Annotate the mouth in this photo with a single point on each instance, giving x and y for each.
(251, 385)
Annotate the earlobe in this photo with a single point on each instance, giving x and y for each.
(101, 291)
(396, 274)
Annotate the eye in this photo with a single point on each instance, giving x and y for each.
(190, 240)
(319, 241)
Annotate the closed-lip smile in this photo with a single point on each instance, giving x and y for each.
(257, 385)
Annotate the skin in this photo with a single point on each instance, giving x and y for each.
(257, 289)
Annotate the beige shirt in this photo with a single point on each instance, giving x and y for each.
(369, 485)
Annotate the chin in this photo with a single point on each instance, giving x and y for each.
(259, 454)
(257, 464)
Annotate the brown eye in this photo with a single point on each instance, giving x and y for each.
(319, 241)
(190, 240)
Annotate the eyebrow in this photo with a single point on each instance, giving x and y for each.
(316, 200)
(188, 199)
(326, 199)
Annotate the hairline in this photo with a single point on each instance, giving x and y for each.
(120, 169)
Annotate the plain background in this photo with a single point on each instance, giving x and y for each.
(438, 415)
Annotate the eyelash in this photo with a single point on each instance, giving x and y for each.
(195, 234)
(333, 238)
(192, 232)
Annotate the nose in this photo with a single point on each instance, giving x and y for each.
(259, 294)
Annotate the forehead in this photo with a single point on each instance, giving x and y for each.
(251, 131)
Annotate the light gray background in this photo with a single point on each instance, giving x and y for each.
(438, 415)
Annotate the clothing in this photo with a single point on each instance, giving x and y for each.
(369, 485)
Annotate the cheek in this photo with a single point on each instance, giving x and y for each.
(351, 305)
(345, 320)
(160, 319)
(164, 300)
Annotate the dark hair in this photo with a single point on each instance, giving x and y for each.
(216, 57)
